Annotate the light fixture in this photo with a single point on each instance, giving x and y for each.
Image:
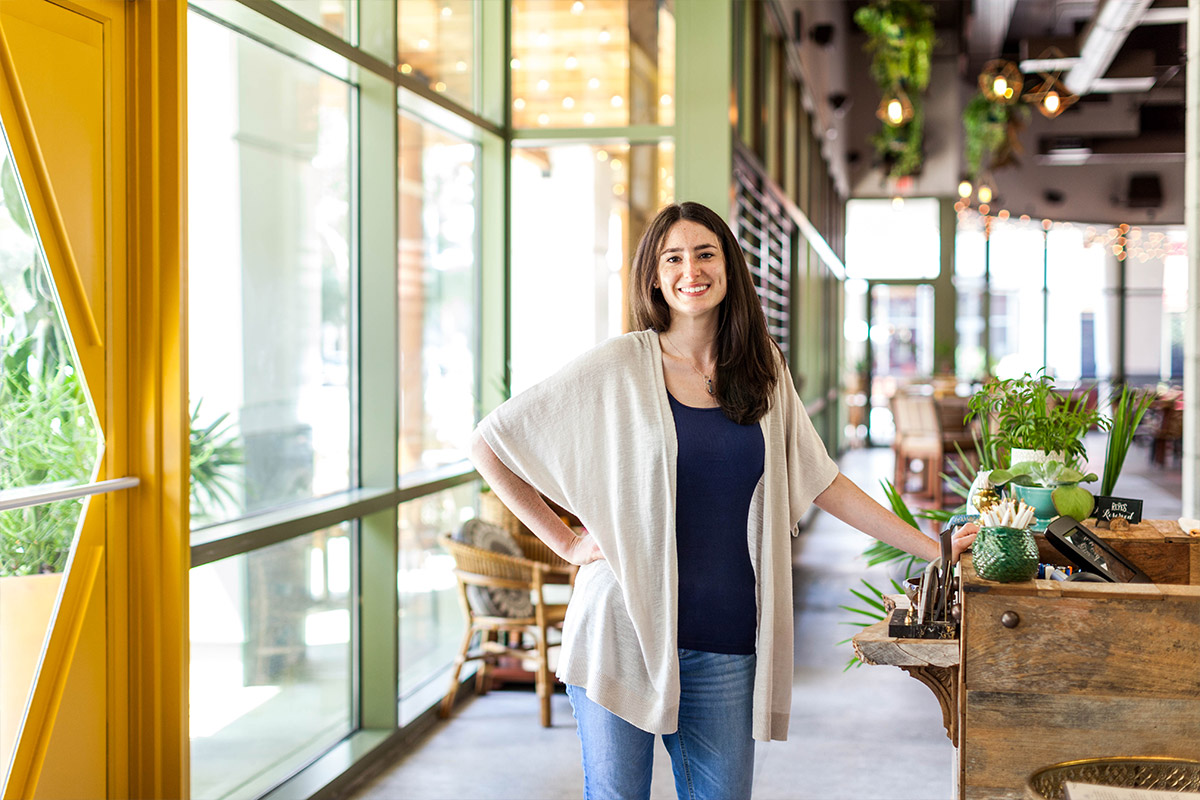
(984, 194)
(577, 8)
(589, 118)
(568, 102)
(571, 61)
(964, 188)
(1001, 81)
(603, 36)
(1051, 97)
(895, 108)
(617, 101)
(593, 83)
(543, 119)
(515, 63)
(665, 100)
(519, 104)
(543, 85)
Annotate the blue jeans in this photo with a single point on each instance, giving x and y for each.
(712, 752)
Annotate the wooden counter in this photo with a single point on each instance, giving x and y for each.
(1089, 670)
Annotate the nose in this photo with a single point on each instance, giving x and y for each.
(691, 269)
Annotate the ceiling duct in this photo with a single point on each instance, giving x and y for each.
(1102, 40)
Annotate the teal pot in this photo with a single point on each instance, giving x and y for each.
(1039, 497)
(1005, 554)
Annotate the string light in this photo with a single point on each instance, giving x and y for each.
(964, 189)
(571, 62)
(577, 8)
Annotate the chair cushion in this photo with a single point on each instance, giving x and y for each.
(487, 601)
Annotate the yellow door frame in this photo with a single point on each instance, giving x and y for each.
(141, 539)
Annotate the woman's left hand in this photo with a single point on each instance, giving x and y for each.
(962, 538)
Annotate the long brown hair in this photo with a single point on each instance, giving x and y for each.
(747, 357)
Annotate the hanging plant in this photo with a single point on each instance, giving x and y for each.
(991, 132)
(900, 40)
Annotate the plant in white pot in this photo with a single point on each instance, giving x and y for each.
(1036, 435)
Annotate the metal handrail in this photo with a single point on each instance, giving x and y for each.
(40, 498)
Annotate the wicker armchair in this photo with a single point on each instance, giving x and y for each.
(521, 637)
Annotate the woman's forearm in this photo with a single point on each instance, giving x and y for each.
(526, 503)
(855, 507)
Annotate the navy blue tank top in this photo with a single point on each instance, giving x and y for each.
(717, 471)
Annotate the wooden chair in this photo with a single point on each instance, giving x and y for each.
(519, 637)
(929, 430)
(918, 437)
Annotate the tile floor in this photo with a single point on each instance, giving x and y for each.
(871, 733)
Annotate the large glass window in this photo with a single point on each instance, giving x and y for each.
(436, 45)
(333, 15)
(578, 211)
(271, 662)
(270, 262)
(439, 294)
(604, 63)
(893, 239)
(431, 619)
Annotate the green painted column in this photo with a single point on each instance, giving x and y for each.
(704, 92)
(945, 296)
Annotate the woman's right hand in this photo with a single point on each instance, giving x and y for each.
(584, 550)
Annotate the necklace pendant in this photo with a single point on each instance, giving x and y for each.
(708, 384)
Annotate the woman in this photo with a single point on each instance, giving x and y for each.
(686, 453)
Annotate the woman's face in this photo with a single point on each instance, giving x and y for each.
(691, 270)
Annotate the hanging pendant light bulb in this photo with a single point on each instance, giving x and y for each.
(1001, 81)
(895, 109)
(1051, 97)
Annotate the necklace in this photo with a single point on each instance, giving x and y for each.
(708, 384)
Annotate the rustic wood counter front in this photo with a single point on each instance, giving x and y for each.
(1088, 670)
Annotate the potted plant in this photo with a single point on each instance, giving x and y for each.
(1050, 487)
(1024, 419)
(900, 38)
(1036, 435)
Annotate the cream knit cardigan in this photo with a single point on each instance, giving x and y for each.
(598, 438)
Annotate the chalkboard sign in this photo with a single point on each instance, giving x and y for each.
(1108, 508)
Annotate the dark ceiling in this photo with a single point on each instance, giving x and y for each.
(1115, 156)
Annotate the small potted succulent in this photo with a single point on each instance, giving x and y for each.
(1050, 487)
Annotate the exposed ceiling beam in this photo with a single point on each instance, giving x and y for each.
(988, 27)
(1102, 39)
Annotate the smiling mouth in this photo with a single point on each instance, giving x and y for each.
(693, 291)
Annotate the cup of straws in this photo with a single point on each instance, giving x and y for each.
(1005, 549)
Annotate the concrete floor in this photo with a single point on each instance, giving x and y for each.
(871, 733)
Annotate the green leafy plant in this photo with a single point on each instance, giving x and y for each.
(900, 39)
(1027, 413)
(991, 132)
(1128, 409)
(1067, 495)
(46, 438)
(214, 451)
(872, 609)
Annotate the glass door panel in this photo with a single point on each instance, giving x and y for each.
(901, 347)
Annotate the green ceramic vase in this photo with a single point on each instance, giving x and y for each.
(1005, 554)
